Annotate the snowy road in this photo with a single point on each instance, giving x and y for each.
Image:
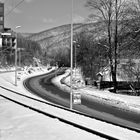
(74, 118)
(89, 105)
(41, 127)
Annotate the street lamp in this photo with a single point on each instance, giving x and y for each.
(71, 77)
(16, 57)
(75, 54)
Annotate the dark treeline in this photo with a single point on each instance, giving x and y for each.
(117, 39)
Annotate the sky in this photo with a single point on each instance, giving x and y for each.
(38, 15)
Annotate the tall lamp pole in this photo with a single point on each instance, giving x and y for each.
(16, 57)
(71, 77)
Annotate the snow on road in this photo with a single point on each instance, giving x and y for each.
(17, 123)
(20, 123)
(121, 101)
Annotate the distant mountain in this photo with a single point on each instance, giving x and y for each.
(58, 36)
(57, 39)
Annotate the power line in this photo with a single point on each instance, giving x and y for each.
(14, 7)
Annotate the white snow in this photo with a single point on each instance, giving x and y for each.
(118, 100)
(17, 122)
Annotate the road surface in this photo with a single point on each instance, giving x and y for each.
(43, 87)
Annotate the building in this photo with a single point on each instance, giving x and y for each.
(1, 17)
(127, 70)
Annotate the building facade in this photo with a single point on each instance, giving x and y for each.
(1, 17)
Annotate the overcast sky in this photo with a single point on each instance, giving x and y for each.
(39, 15)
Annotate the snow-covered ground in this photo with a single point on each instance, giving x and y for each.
(121, 101)
(17, 122)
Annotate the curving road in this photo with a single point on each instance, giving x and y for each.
(42, 86)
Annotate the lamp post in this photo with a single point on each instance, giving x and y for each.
(71, 77)
(16, 57)
(74, 54)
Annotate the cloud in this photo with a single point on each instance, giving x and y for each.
(78, 19)
(49, 20)
(2, 1)
(17, 11)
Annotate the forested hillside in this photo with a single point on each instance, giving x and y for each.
(59, 37)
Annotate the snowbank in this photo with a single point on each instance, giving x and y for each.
(125, 102)
(21, 123)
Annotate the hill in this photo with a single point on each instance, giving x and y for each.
(58, 38)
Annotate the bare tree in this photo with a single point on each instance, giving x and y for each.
(89, 56)
(111, 13)
(131, 72)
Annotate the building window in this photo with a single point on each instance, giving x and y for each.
(1, 18)
(1, 9)
(1, 27)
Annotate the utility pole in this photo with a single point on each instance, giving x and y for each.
(16, 58)
(71, 73)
